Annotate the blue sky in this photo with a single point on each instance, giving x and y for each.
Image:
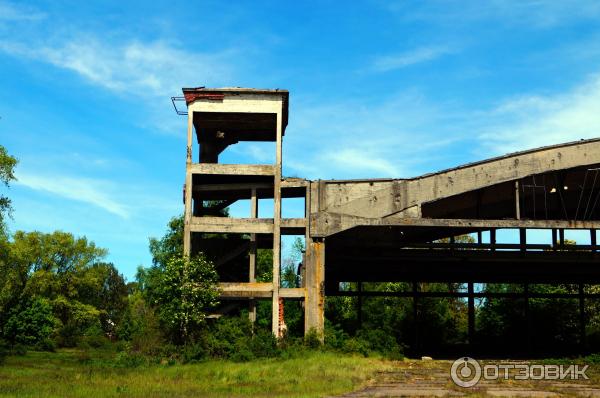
(377, 89)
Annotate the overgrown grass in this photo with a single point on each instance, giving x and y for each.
(79, 373)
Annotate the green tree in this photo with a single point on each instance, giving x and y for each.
(140, 325)
(289, 272)
(7, 167)
(102, 286)
(66, 271)
(186, 290)
(170, 245)
(32, 322)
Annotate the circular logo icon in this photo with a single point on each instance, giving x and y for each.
(465, 372)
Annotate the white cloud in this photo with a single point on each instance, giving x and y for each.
(396, 137)
(132, 68)
(536, 120)
(538, 14)
(15, 12)
(424, 54)
(91, 191)
(406, 135)
(369, 161)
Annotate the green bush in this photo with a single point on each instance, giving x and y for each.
(130, 360)
(263, 344)
(4, 350)
(365, 342)
(30, 323)
(380, 341)
(222, 339)
(68, 336)
(312, 339)
(18, 349)
(184, 290)
(77, 319)
(335, 337)
(46, 345)
(94, 338)
(242, 352)
(356, 345)
(592, 358)
(193, 352)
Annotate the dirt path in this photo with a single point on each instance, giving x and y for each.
(432, 379)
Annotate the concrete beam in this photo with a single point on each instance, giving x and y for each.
(246, 290)
(232, 187)
(293, 226)
(403, 197)
(292, 293)
(232, 169)
(231, 225)
(325, 224)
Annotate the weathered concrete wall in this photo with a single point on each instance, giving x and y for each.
(385, 202)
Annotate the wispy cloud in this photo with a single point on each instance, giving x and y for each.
(17, 12)
(367, 161)
(400, 136)
(534, 120)
(135, 67)
(91, 191)
(537, 14)
(386, 63)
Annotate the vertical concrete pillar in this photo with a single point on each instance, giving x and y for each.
(517, 202)
(277, 228)
(471, 313)
(582, 324)
(314, 313)
(252, 256)
(187, 217)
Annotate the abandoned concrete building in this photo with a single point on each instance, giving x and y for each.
(382, 230)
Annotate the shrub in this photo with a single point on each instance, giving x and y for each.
(184, 291)
(129, 360)
(263, 344)
(335, 337)
(18, 349)
(356, 345)
(94, 337)
(46, 345)
(30, 322)
(140, 326)
(193, 352)
(380, 341)
(312, 339)
(77, 318)
(365, 342)
(242, 352)
(222, 339)
(4, 350)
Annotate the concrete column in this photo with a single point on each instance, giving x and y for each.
(187, 218)
(471, 313)
(277, 228)
(314, 312)
(252, 256)
(517, 202)
(582, 324)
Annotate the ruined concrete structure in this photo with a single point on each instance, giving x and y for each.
(385, 229)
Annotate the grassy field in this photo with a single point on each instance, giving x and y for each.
(73, 373)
